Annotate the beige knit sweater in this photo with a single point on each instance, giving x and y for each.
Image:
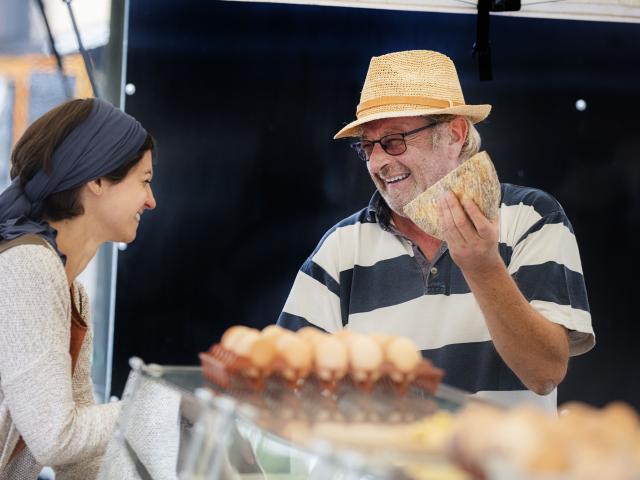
(55, 414)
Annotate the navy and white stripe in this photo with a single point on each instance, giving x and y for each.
(365, 276)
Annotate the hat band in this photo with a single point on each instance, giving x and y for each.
(411, 100)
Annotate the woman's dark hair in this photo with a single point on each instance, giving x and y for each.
(119, 173)
(35, 149)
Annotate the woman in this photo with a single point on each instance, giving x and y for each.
(81, 177)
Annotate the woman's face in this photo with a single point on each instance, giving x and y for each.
(123, 203)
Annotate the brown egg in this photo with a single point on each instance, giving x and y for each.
(243, 342)
(382, 339)
(365, 357)
(403, 354)
(331, 358)
(232, 335)
(272, 332)
(284, 336)
(297, 354)
(262, 352)
(345, 335)
(310, 334)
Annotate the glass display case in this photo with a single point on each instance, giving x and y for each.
(177, 424)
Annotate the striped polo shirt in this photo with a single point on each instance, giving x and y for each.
(366, 276)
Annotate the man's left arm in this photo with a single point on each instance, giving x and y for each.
(535, 348)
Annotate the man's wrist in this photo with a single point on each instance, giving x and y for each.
(483, 268)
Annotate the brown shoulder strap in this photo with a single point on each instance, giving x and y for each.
(28, 239)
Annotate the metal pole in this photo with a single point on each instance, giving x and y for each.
(88, 63)
(54, 51)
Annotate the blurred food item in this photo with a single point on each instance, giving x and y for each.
(365, 358)
(403, 354)
(311, 334)
(487, 442)
(297, 355)
(433, 433)
(436, 471)
(331, 358)
(583, 443)
(232, 335)
(382, 339)
(270, 332)
(243, 341)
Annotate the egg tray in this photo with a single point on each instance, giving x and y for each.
(280, 401)
(224, 368)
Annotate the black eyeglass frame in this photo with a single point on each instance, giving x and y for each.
(362, 154)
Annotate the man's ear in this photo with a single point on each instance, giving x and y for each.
(458, 130)
(95, 186)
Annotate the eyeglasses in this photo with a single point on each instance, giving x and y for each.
(394, 143)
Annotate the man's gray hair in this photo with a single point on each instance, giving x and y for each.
(471, 144)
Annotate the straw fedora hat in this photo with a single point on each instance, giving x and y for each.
(411, 84)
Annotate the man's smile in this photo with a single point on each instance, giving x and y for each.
(395, 179)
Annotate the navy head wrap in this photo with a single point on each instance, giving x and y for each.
(97, 146)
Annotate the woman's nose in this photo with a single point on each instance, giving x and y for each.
(150, 204)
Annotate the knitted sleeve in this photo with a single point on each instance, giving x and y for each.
(35, 365)
(82, 384)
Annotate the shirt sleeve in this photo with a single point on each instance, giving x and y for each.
(545, 264)
(35, 365)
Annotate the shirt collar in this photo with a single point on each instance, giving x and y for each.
(378, 211)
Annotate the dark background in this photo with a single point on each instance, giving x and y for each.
(244, 99)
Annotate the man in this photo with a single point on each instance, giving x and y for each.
(500, 305)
